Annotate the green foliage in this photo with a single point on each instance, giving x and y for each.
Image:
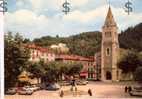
(84, 44)
(131, 38)
(88, 43)
(15, 58)
(53, 71)
(138, 74)
(74, 68)
(130, 62)
(36, 69)
(26, 40)
(57, 69)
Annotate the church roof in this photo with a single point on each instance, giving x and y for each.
(109, 19)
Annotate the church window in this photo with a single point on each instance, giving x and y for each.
(108, 51)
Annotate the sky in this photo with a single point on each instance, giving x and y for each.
(37, 18)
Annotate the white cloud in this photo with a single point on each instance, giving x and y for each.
(42, 5)
(25, 17)
(78, 2)
(19, 3)
(36, 4)
(28, 21)
(124, 20)
(87, 16)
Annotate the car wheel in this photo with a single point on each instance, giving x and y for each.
(131, 94)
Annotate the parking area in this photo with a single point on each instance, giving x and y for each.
(99, 90)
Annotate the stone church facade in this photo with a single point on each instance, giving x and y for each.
(109, 49)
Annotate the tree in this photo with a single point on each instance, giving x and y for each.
(26, 40)
(74, 68)
(137, 74)
(37, 70)
(84, 44)
(15, 58)
(130, 62)
(131, 38)
(52, 71)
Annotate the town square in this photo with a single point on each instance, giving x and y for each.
(99, 90)
(72, 49)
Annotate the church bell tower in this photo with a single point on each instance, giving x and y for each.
(109, 49)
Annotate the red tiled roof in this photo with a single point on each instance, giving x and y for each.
(74, 57)
(33, 46)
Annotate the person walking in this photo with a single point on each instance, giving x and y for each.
(129, 89)
(126, 89)
(73, 84)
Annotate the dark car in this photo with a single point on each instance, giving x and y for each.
(11, 91)
(53, 87)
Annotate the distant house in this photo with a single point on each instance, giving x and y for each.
(38, 53)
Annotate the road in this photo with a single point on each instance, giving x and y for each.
(99, 90)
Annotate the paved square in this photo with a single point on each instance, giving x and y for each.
(99, 90)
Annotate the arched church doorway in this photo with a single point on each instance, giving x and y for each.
(108, 75)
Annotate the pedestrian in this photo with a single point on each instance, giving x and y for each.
(61, 93)
(90, 92)
(126, 89)
(73, 84)
(129, 89)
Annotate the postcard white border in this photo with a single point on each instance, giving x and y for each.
(1, 55)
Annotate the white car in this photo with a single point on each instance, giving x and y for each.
(35, 88)
(25, 91)
(136, 91)
(30, 88)
(81, 82)
(11, 91)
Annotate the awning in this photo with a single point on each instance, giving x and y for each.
(83, 74)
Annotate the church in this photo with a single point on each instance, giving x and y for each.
(109, 49)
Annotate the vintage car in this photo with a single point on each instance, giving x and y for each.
(25, 91)
(33, 87)
(136, 90)
(81, 82)
(11, 91)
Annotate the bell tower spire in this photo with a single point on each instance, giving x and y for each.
(109, 19)
(109, 49)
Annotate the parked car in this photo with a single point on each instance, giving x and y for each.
(81, 82)
(11, 91)
(28, 88)
(25, 91)
(53, 87)
(35, 87)
(136, 90)
(65, 83)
